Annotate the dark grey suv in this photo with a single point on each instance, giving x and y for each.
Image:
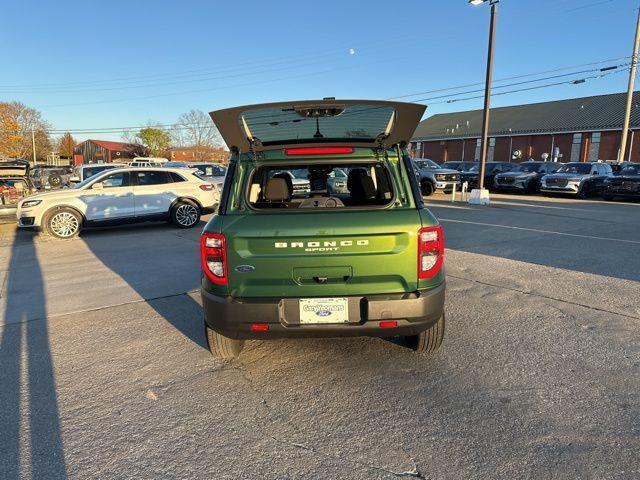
(526, 177)
(577, 178)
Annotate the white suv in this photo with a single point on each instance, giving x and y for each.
(123, 195)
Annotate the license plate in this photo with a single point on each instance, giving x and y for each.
(324, 310)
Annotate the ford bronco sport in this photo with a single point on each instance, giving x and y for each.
(366, 260)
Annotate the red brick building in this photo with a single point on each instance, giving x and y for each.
(104, 151)
(579, 129)
(191, 154)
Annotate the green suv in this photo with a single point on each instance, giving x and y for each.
(279, 262)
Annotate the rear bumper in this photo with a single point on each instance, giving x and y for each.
(8, 210)
(414, 313)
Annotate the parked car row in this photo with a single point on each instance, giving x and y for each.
(582, 179)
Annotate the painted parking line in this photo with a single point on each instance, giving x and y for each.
(536, 230)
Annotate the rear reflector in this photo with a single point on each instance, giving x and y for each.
(260, 327)
(300, 151)
(207, 187)
(388, 324)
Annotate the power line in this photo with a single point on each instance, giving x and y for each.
(515, 77)
(537, 87)
(573, 81)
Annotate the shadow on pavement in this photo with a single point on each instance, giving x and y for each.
(28, 399)
(595, 238)
(156, 264)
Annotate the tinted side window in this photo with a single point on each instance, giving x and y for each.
(148, 177)
(116, 180)
(176, 177)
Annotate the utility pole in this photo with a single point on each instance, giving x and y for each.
(632, 81)
(33, 144)
(487, 96)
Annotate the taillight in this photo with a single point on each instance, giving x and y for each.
(213, 256)
(299, 151)
(430, 251)
(207, 187)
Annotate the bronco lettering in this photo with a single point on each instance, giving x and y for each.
(322, 246)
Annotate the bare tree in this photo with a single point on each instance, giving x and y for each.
(17, 122)
(195, 129)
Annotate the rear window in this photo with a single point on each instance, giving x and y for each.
(323, 124)
(336, 185)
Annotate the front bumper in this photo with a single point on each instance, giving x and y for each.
(447, 185)
(27, 218)
(570, 188)
(414, 312)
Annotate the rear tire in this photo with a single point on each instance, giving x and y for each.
(427, 188)
(185, 215)
(223, 347)
(428, 341)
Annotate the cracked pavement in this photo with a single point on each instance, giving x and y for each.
(104, 371)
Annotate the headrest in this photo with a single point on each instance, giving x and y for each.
(360, 184)
(277, 190)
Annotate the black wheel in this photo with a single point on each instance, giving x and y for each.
(532, 187)
(54, 180)
(428, 341)
(427, 188)
(584, 191)
(221, 346)
(185, 215)
(63, 223)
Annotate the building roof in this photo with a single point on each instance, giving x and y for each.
(602, 112)
(116, 146)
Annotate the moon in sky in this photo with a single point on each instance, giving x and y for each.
(352, 51)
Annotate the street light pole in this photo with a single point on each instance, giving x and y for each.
(632, 79)
(482, 195)
(487, 95)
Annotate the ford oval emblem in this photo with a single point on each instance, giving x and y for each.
(323, 313)
(245, 268)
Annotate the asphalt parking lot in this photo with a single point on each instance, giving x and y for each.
(105, 373)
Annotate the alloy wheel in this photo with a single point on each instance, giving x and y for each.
(64, 224)
(186, 215)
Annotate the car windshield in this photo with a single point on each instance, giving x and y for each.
(91, 171)
(630, 170)
(475, 169)
(85, 181)
(579, 168)
(368, 184)
(529, 167)
(426, 164)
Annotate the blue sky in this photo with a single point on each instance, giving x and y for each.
(88, 64)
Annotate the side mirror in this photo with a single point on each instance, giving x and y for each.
(97, 186)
